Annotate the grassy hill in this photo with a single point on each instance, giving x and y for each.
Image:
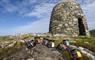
(87, 42)
(92, 32)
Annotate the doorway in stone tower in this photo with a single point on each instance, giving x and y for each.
(81, 26)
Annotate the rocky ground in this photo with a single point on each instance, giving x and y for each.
(39, 52)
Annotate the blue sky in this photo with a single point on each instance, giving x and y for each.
(26, 16)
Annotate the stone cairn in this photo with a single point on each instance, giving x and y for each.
(67, 18)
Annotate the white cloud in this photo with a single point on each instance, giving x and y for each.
(89, 10)
(16, 6)
(8, 7)
(68, 0)
(37, 26)
(83, 2)
(28, 1)
(41, 10)
(42, 13)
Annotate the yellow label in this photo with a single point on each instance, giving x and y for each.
(79, 54)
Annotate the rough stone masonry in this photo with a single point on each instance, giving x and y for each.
(67, 18)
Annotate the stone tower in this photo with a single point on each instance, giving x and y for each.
(68, 18)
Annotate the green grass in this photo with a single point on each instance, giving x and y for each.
(92, 32)
(86, 42)
(4, 52)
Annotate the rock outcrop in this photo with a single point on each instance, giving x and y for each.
(68, 18)
(7, 44)
(39, 52)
